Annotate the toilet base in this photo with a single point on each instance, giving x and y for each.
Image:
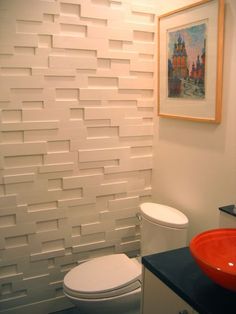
(124, 304)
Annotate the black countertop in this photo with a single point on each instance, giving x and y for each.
(178, 271)
(229, 209)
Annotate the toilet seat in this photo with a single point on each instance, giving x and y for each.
(103, 277)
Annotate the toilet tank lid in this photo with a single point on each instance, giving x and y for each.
(164, 215)
(103, 274)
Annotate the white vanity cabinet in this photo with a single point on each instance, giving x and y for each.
(158, 298)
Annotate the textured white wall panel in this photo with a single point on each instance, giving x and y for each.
(76, 110)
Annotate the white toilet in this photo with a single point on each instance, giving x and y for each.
(112, 284)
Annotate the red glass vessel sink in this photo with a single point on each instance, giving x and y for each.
(215, 253)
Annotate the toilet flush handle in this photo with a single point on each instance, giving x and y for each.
(139, 216)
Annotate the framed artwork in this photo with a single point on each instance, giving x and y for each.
(190, 62)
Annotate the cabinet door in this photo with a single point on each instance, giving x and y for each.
(157, 298)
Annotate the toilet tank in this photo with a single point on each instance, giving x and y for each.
(162, 228)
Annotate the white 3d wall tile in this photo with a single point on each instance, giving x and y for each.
(76, 100)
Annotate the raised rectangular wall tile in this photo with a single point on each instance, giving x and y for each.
(77, 98)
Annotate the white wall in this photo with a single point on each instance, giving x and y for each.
(195, 163)
(77, 79)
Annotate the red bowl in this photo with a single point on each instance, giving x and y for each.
(215, 253)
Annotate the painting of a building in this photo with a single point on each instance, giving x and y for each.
(179, 59)
(186, 62)
(198, 68)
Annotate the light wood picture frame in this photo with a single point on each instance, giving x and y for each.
(190, 62)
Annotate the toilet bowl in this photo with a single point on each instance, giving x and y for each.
(112, 283)
(108, 284)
